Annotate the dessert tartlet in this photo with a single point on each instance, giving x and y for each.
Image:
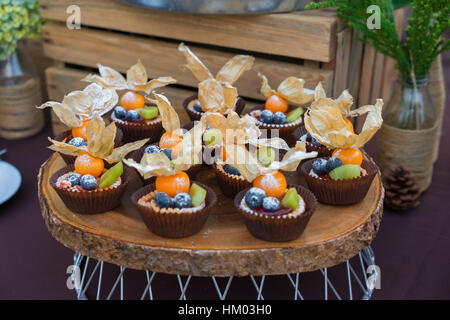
(312, 144)
(282, 110)
(77, 109)
(134, 116)
(346, 177)
(220, 86)
(87, 186)
(269, 219)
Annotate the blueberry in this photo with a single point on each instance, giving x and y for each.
(308, 136)
(320, 166)
(133, 116)
(279, 118)
(77, 142)
(333, 163)
(271, 204)
(254, 197)
(232, 170)
(88, 182)
(163, 200)
(182, 200)
(315, 142)
(120, 112)
(197, 106)
(266, 116)
(167, 152)
(74, 179)
(152, 149)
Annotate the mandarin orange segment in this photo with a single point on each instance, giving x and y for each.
(171, 185)
(132, 100)
(80, 131)
(176, 150)
(169, 140)
(86, 164)
(275, 104)
(349, 125)
(274, 184)
(349, 156)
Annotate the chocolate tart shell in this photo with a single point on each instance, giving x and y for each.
(118, 141)
(136, 155)
(139, 131)
(174, 225)
(88, 202)
(230, 185)
(340, 192)
(322, 151)
(278, 229)
(285, 130)
(196, 116)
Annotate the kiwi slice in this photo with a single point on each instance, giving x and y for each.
(291, 199)
(266, 155)
(198, 194)
(110, 176)
(348, 171)
(294, 114)
(212, 136)
(148, 112)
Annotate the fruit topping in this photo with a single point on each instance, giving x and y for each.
(167, 152)
(266, 116)
(174, 184)
(349, 125)
(266, 155)
(232, 170)
(88, 182)
(320, 166)
(182, 200)
(271, 204)
(254, 197)
(279, 118)
(169, 140)
(198, 195)
(74, 179)
(148, 113)
(197, 106)
(80, 131)
(349, 156)
(293, 115)
(131, 100)
(111, 175)
(212, 136)
(274, 184)
(347, 171)
(275, 103)
(120, 112)
(291, 199)
(77, 142)
(333, 163)
(133, 116)
(86, 164)
(152, 149)
(163, 200)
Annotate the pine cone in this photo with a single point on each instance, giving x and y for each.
(401, 189)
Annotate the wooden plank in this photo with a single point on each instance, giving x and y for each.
(377, 79)
(366, 75)
(354, 71)
(88, 47)
(343, 47)
(296, 34)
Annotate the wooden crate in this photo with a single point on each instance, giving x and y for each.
(313, 45)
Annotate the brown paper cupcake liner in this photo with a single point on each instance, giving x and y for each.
(196, 116)
(173, 224)
(138, 131)
(67, 135)
(229, 184)
(340, 192)
(322, 151)
(88, 202)
(285, 131)
(278, 229)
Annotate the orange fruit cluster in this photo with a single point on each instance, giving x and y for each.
(172, 185)
(274, 184)
(275, 104)
(87, 164)
(348, 156)
(132, 100)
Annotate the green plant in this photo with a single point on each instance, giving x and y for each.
(424, 42)
(19, 19)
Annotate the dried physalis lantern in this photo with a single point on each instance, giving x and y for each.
(134, 116)
(215, 94)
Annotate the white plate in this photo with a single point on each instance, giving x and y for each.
(10, 180)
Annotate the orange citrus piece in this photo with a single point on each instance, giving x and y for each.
(349, 156)
(171, 185)
(274, 184)
(132, 100)
(169, 140)
(86, 164)
(275, 104)
(80, 131)
(349, 125)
